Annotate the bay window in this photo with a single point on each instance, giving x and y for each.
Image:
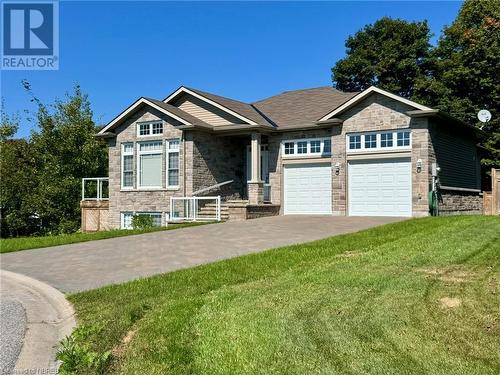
(149, 164)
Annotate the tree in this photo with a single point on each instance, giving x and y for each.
(389, 54)
(463, 76)
(16, 182)
(65, 150)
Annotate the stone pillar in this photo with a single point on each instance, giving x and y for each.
(255, 185)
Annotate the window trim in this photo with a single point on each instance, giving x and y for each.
(378, 147)
(122, 219)
(150, 130)
(154, 152)
(151, 213)
(308, 153)
(168, 151)
(133, 213)
(122, 163)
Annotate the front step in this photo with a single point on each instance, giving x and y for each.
(209, 211)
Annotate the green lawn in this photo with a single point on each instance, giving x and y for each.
(416, 297)
(25, 243)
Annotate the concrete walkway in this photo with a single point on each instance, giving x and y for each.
(38, 318)
(89, 265)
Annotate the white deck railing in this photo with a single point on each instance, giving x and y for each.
(95, 189)
(191, 209)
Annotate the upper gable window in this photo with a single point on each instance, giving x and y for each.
(145, 129)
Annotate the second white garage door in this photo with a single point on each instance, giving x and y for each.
(380, 187)
(307, 189)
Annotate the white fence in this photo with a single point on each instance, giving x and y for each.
(95, 188)
(195, 208)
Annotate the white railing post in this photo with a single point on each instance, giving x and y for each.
(83, 189)
(195, 208)
(218, 208)
(99, 187)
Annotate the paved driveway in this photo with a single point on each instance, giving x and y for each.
(89, 265)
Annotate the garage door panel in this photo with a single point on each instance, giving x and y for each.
(380, 187)
(307, 189)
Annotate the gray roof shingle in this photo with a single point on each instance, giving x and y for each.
(302, 107)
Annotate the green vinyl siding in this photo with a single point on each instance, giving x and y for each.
(456, 154)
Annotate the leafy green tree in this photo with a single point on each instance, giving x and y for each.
(464, 72)
(389, 54)
(65, 150)
(16, 181)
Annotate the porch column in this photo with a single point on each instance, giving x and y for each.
(255, 185)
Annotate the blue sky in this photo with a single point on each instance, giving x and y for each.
(119, 51)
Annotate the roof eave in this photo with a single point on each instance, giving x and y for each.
(443, 115)
(105, 135)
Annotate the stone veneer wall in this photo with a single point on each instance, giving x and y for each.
(375, 113)
(215, 160)
(134, 200)
(460, 203)
(276, 162)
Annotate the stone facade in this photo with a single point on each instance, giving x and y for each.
(214, 160)
(143, 200)
(276, 162)
(460, 203)
(207, 159)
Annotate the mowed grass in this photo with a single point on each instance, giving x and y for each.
(415, 297)
(9, 245)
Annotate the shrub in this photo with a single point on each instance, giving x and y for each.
(142, 222)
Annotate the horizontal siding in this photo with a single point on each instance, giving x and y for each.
(204, 111)
(456, 154)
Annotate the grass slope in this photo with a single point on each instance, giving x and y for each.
(25, 243)
(415, 297)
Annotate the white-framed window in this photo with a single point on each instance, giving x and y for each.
(156, 216)
(386, 140)
(149, 165)
(302, 147)
(127, 166)
(307, 147)
(354, 142)
(370, 140)
(289, 148)
(145, 129)
(127, 216)
(126, 220)
(315, 146)
(403, 138)
(173, 163)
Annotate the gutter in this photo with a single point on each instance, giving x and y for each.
(105, 135)
(444, 116)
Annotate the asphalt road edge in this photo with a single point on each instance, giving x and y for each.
(49, 318)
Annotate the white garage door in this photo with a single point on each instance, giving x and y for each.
(380, 187)
(308, 189)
